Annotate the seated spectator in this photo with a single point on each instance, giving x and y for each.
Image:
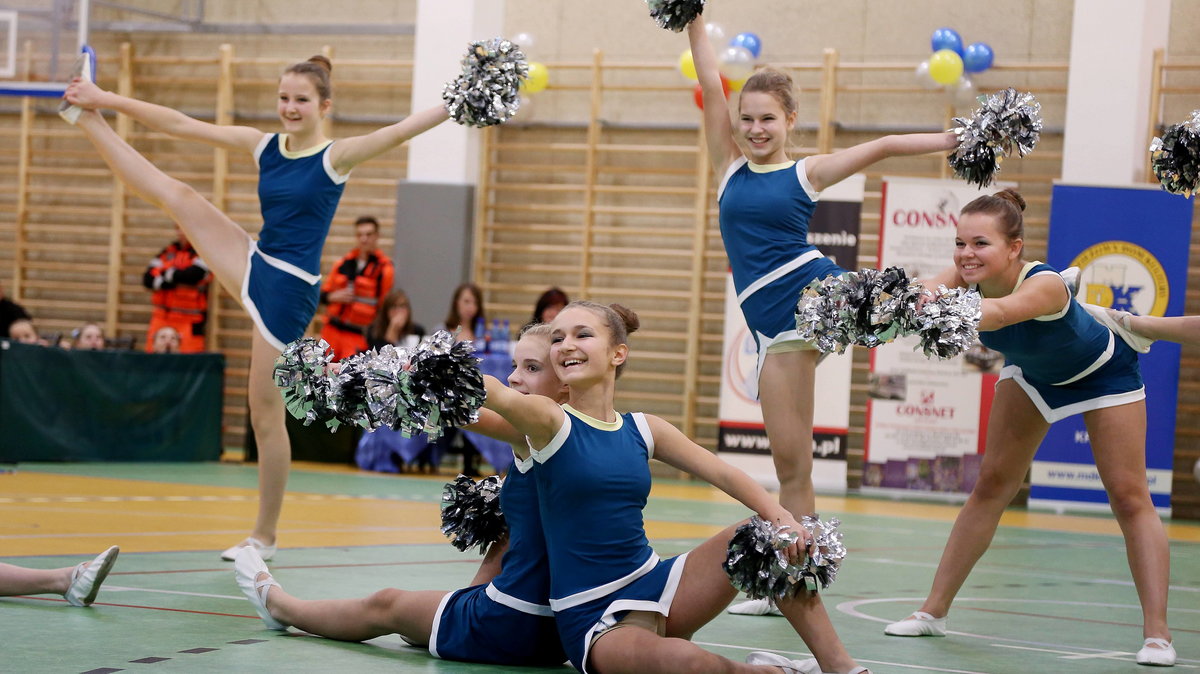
(179, 281)
(89, 337)
(22, 331)
(393, 324)
(466, 313)
(10, 311)
(549, 304)
(165, 340)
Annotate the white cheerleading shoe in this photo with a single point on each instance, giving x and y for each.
(248, 567)
(265, 551)
(87, 578)
(1157, 653)
(921, 624)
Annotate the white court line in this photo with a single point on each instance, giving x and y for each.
(122, 588)
(803, 654)
(1106, 655)
(1025, 574)
(851, 608)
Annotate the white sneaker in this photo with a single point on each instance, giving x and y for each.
(87, 578)
(82, 69)
(247, 568)
(265, 551)
(755, 607)
(1156, 652)
(808, 666)
(921, 624)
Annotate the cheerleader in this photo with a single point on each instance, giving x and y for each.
(507, 621)
(1059, 363)
(277, 278)
(620, 608)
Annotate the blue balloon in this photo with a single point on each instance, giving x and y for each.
(748, 40)
(977, 58)
(947, 38)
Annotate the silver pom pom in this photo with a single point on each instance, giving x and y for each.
(757, 565)
(948, 324)
(675, 15)
(1175, 157)
(302, 377)
(1004, 120)
(442, 386)
(487, 91)
(471, 515)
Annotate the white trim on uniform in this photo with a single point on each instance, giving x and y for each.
(518, 604)
(606, 589)
(262, 145)
(733, 167)
(1051, 415)
(327, 163)
(802, 175)
(287, 267)
(437, 621)
(1096, 364)
(248, 303)
(639, 420)
(778, 273)
(543, 455)
(523, 465)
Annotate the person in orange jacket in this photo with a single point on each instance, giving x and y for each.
(354, 290)
(179, 280)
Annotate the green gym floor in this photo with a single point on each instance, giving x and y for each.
(1053, 594)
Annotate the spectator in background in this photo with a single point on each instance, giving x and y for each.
(22, 331)
(179, 280)
(88, 337)
(393, 323)
(166, 340)
(466, 313)
(354, 289)
(10, 311)
(549, 304)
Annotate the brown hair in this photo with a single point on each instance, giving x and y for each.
(453, 320)
(378, 328)
(318, 70)
(776, 83)
(548, 299)
(367, 220)
(619, 319)
(1006, 206)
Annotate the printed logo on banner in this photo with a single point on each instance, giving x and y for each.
(944, 213)
(1124, 276)
(741, 366)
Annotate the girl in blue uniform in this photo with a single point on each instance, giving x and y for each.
(507, 621)
(277, 278)
(619, 607)
(1059, 362)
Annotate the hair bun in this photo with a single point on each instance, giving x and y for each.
(1012, 196)
(632, 323)
(323, 61)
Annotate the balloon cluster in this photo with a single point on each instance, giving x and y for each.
(951, 64)
(756, 564)
(1175, 157)
(435, 386)
(485, 93)
(736, 61)
(873, 307)
(471, 515)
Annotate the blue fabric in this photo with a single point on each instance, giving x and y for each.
(474, 628)
(525, 571)
(1120, 374)
(1051, 351)
(772, 310)
(298, 200)
(284, 302)
(592, 491)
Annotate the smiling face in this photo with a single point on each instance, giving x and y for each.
(300, 106)
(763, 127)
(532, 373)
(981, 251)
(581, 347)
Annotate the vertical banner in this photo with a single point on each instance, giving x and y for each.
(741, 437)
(1131, 245)
(925, 418)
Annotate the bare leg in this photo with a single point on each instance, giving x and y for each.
(1118, 436)
(16, 580)
(635, 650)
(270, 433)
(786, 391)
(409, 614)
(1015, 429)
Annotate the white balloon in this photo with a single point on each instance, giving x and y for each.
(924, 78)
(963, 93)
(736, 63)
(525, 41)
(716, 33)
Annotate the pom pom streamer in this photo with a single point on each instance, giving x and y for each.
(757, 565)
(675, 15)
(348, 394)
(443, 386)
(302, 377)
(1175, 157)
(948, 324)
(486, 93)
(1004, 120)
(471, 515)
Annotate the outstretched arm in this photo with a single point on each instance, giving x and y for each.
(718, 130)
(494, 426)
(828, 169)
(1182, 329)
(88, 96)
(350, 152)
(533, 416)
(1037, 296)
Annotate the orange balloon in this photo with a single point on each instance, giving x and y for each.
(698, 92)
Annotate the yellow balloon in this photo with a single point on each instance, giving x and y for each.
(737, 85)
(687, 66)
(537, 79)
(945, 66)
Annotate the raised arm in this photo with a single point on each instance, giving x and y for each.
(533, 416)
(718, 129)
(1037, 296)
(829, 169)
(87, 95)
(350, 152)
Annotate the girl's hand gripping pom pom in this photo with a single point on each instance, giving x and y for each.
(488, 90)
(757, 564)
(471, 513)
(948, 324)
(302, 377)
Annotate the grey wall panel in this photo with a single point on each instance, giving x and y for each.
(433, 245)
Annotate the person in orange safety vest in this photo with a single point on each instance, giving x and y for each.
(354, 290)
(179, 280)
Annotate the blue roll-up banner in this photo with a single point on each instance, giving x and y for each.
(1131, 245)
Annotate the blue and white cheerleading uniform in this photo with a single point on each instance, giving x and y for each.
(1066, 362)
(764, 214)
(593, 479)
(508, 621)
(298, 193)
